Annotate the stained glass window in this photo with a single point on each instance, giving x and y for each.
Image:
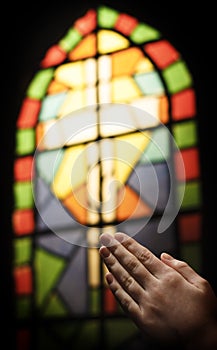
(100, 134)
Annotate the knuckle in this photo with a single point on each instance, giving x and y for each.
(132, 265)
(127, 281)
(143, 256)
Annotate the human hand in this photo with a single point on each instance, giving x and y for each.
(165, 297)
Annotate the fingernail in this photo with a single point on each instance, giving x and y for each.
(120, 237)
(104, 252)
(166, 256)
(106, 239)
(109, 278)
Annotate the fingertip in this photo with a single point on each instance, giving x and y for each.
(166, 256)
(109, 277)
(121, 237)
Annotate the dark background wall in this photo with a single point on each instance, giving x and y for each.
(30, 29)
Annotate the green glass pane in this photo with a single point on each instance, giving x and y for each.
(192, 195)
(118, 332)
(39, 84)
(185, 134)
(48, 269)
(88, 337)
(51, 105)
(25, 141)
(191, 253)
(94, 299)
(158, 149)
(150, 83)
(46, 161)
(107, 17)
(22, 250)
(143, 33)
(177, 77)
(55, 307)
(23, 195)
(23, 307)
(70, 40)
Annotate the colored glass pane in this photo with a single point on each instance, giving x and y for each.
(162, 53)
(190, 226)
(23, 221)
(54, 56)
(22, 251)
(124, 89)
(39, 84)
(185, 134)
(107, 17)
(110, 305)
(94, 299)
(183, 104)
(191, 253)
(177, 77)
(25, 141)
(150, 83)
(125, 24)
(116, 331)
(23, 308)
(28, 114)
(192, 195)
(50, 106)
(158, 149)
(70, 40)
(191, 163)
(86, 48)
(55, 307)
(143, 33)
(109, 41)
(23, 280)
(124, 62)
(23, 195)
(23, 168)
(87, 23)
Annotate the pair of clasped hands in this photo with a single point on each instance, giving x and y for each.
(168, 301)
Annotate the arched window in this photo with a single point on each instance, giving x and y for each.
(99, 137)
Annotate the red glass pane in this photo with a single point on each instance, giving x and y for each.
(190, 227)
(23, 168)
(23, 280)
(28, 113)
(183, 104)
(22, 339)
(110, 304)
(162, 53)
(54, 56)
(23, 221)
(125, 24)
(87, 23)
(191, 164)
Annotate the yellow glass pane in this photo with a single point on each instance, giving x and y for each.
(144, 65)
(124, 89)
(124, 62)
(75, 100)
(71, 74)
(104, 68)
(86, 48)
(109, 41)
(93, 183)
(55, 87)
(128, 150)
(73, 162)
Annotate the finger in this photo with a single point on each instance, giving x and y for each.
(128, 261)
(126, 281)
(182, 267)
(144, 255)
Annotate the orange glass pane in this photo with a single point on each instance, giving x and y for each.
(28, 113)
(55, 87)
(183, 104)
(162, 53)
(54, 56)
(87, 23)
(76, 204)
(131, 205)
(23, 168)
(124, 62)
(23, 280)
(86, 48)
(190, 227)
(164, 109)
(126, 24)
(191, 164)
(110, 305)
(23, 222)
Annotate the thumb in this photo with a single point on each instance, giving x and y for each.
(182, 267)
